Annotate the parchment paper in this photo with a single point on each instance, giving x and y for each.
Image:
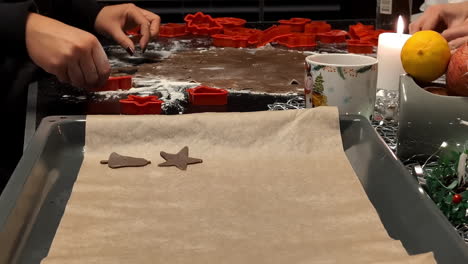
(274, 187)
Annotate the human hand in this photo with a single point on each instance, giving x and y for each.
(73, 55)
(457, 35)
(440, 17)
(114, 20)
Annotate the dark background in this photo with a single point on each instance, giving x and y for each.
(262, 10)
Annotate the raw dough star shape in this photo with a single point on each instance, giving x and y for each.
(180, 160)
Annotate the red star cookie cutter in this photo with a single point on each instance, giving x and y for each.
(140, 105)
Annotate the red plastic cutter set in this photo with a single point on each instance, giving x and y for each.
(295, 33)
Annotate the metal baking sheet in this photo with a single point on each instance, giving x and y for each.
(34, 200)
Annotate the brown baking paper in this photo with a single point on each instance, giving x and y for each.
(274, 187)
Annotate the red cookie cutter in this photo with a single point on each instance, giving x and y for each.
(223, 40)
(334, 36)
(297, 24)
(358, 46)
(228, 22)
(353, 41)
(116, 83)
(270, 34)
(374, 36)
(253, 34)
(134, 31)
(241, 31)
(171, 30)
(298, 40)
(204, 95)
(201, 24)
(360, 30)
(315, 27)
(140, 105)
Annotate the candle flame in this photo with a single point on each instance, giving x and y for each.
(400, 25)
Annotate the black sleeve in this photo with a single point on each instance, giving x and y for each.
(78, 13)
(13, 15)
(12, 25)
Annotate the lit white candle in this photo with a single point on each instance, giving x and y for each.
(388, 55)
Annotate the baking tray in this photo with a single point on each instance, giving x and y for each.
(35, 198)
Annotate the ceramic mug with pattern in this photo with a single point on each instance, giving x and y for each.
(347, 81)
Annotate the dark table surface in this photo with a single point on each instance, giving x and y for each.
(54, 98)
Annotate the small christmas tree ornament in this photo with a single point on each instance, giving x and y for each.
(457, 199)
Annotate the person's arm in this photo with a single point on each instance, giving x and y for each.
(110, 21)
(441, 17)
(12, 26)
(73, 55)
(456, 36)
(449, 19)
(114, 20)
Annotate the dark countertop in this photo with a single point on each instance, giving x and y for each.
(54, 98)
(50, 97)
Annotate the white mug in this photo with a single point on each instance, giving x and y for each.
(347, 81)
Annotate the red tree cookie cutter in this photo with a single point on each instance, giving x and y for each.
(229, 22)
(201, 24)
(171, 30)
(315, 27)
(116, 83)
(223, 40)
(140, 105)
(204, 95)
(297, 24)
(334, 36)
(298, 40)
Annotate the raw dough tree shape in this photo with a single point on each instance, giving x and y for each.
(180, 160)
(116, 161)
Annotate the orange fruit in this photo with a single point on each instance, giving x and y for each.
(425, 55)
